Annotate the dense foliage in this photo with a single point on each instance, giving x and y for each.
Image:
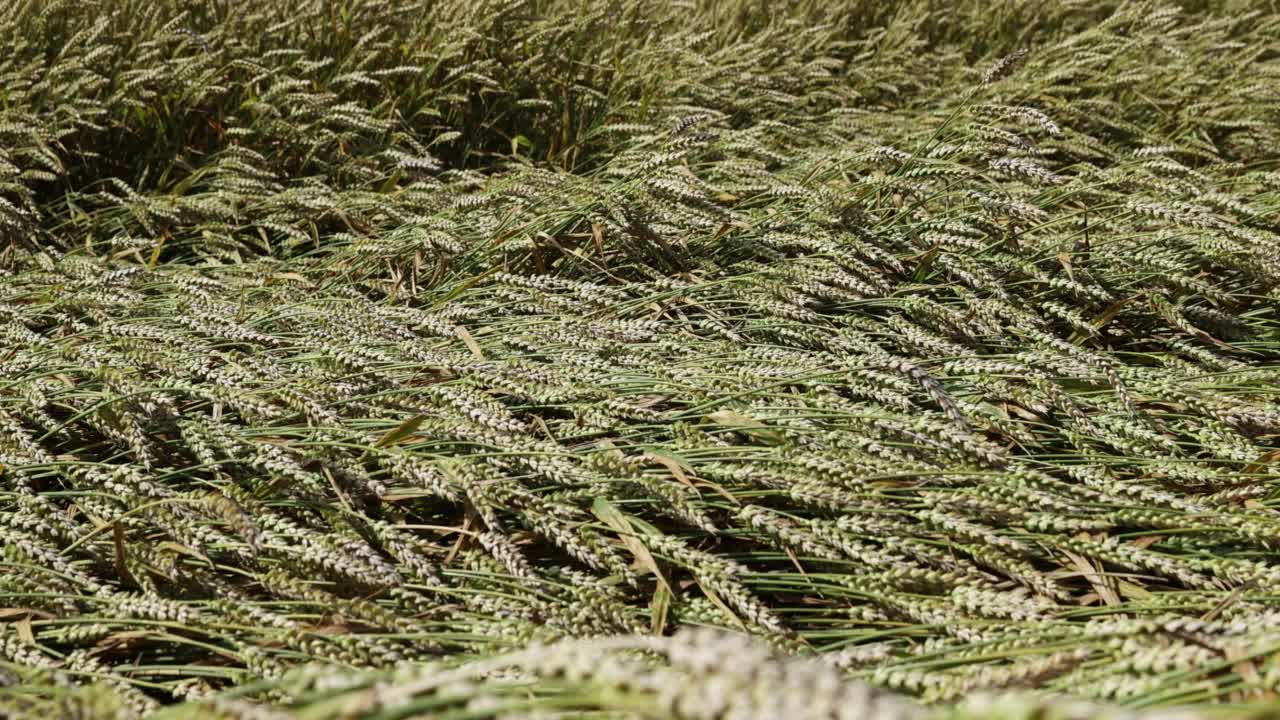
(470, 358)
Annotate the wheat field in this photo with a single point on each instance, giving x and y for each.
(705, 360)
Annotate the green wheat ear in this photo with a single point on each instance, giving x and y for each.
(493, 359)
